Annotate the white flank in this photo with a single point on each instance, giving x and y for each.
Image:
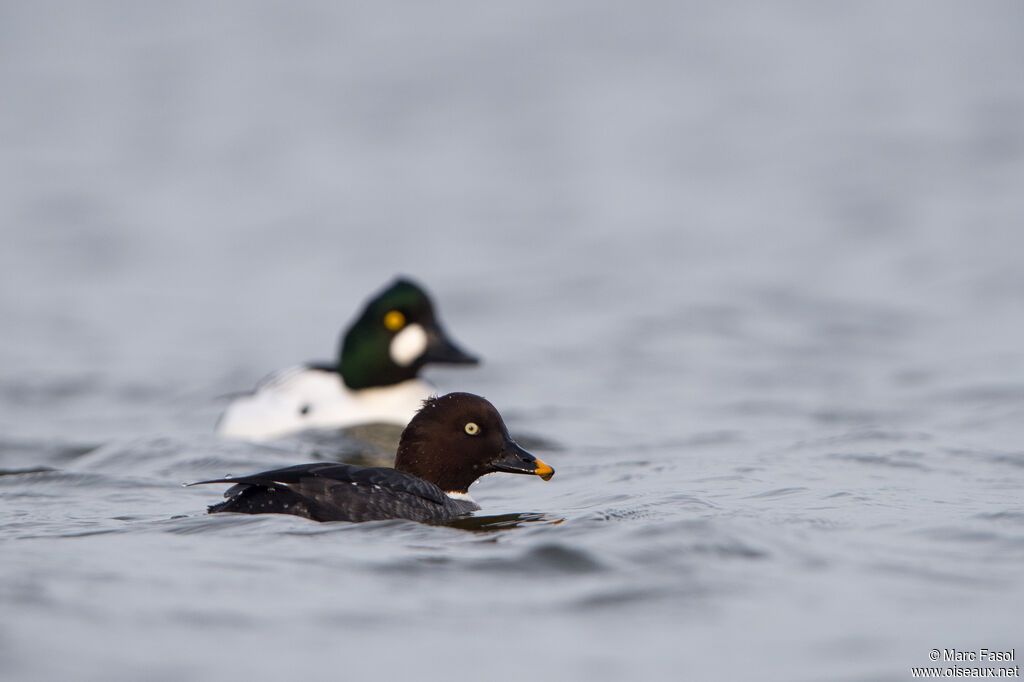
(303, 398)
(460, 496)
(408, 345)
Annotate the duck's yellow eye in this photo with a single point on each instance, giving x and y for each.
(394, 320)
(472, 429)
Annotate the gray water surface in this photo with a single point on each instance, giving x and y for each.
(749, 277)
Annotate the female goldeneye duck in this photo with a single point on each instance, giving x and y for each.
(374, 379)
(450, 443)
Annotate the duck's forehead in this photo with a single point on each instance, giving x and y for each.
(491, 414)
(486, 415)
(461, 409)
(479, 412)
(403, 295)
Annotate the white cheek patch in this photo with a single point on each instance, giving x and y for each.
(408, 344)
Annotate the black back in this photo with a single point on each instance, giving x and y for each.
(341, 492)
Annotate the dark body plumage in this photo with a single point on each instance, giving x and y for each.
(450, 443)
(341, 492)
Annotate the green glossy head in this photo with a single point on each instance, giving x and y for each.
(396, 334)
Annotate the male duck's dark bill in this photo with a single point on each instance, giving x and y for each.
(514, 460)
(441, 349)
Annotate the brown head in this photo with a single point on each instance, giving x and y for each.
(459, 437)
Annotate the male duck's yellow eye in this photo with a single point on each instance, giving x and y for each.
(394, 320)
(472, 429)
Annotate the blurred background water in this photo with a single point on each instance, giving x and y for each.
(753, 273)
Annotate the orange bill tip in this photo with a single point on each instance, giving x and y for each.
(544, 471)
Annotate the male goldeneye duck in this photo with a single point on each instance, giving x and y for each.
(450, 443)
(374, 379)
